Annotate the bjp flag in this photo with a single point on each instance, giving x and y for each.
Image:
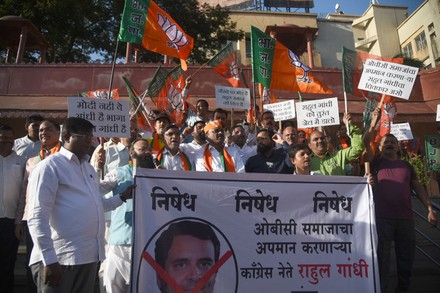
(145, 23)
(277, 67)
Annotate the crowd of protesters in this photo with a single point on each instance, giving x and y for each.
(54, 196)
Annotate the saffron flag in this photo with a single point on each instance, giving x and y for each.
(144, 22)
(277, 67)
(225, 63)
(144, 114)
(101, 94)
(165, 91)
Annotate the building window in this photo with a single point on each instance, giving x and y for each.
(248, 46)
(434, 45)
(408, 51)
(420, 41)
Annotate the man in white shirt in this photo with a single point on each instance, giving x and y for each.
(171, 157)
(29, 145)
(66, 214)
(11, 175)
(198, 142)
(238, 140)
(214, 157)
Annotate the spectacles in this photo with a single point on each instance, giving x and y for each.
(86, 136)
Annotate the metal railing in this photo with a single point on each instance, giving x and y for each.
(436, 207)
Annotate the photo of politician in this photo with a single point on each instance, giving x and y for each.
(189, 252)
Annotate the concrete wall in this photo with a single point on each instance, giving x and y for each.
(420, 20)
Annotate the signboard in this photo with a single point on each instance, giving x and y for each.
(253, 233)
(232, 97)
(388, 78)
(317, 113)
(432, 149)
(110, 117)
(282, 111)
(402, 131)
(438, 113)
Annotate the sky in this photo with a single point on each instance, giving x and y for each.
(359, 6)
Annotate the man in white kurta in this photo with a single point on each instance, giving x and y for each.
(66, 215)
(214, 157)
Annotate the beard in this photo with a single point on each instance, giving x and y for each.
(144, 160)
(262, 148)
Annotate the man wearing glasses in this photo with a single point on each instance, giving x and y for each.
(66, 214)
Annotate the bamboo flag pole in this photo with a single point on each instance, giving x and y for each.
(110, 96)
(379, 105)
(347, 124)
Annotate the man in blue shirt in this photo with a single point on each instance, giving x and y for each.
(117, 272)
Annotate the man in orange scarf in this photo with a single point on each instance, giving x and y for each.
(171, 157)
(214, 157)
(157, 141)
(49, 133)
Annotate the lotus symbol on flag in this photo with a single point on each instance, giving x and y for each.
(234, 70)
(297, 63)
(175, 99)
(177, 38)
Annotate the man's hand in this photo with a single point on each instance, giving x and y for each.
(128, 193)
(277, 138)
(346, 119)
(100, 157)
(53, 274)
(432, 219)
(19, 231)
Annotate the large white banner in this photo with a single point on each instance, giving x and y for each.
(258, 233)
(282, 110)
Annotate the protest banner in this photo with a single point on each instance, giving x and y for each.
(316, 113)
(437, 118)
(402, 131)
(388, 78)
(110, 117)
(432, 152)
(262, 233)
(232, 97)
(282, 110)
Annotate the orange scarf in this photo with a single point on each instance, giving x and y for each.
(185, 160)
(228, 163)
(343, 143)
(156, 144)
(53, 150)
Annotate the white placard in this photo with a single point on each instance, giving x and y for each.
(438, 113)
(232, 97)
(317, 113)
(295, 233)
(282, 110)
(388, 78)
(110, 117)
(402, 131)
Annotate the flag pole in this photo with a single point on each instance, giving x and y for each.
(109, 97)
(347, 125)
(200, 68)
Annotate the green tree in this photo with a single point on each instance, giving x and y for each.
(78, 29)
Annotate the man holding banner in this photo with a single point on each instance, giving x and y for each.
(394, 180)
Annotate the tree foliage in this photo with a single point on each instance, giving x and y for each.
(78, 29)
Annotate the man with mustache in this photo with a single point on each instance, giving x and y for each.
(171, 157)
(394, 181)
(49, 134)
(214, 157)
(326, 163)
(268, 159)
(116, 276)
